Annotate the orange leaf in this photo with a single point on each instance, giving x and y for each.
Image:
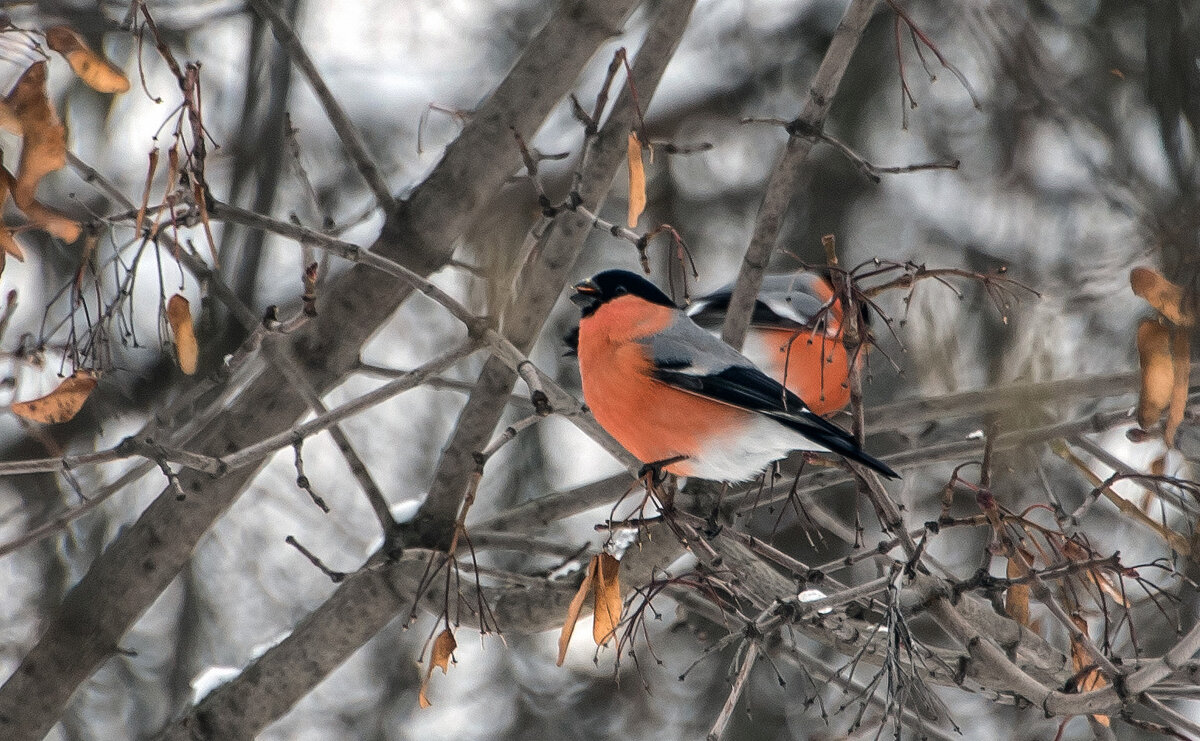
(1158, 373)
(1181, 363)
(573, 611)
(1162, 294)
(443, 648)
(1089, 677)
(61, 404)
(637, 181)
(99, 74)
(606, 591)
(179, 316)
(44, 149)
(1016, 599)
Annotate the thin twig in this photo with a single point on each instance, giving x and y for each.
(735, 692)
(781, 183)
(346, 130)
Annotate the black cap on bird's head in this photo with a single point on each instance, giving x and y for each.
(602, 287)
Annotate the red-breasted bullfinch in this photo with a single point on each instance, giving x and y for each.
(679, 398)
(795, 336)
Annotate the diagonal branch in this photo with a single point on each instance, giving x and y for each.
(781, 185)
(346, 130)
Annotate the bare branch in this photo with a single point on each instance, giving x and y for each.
(781, 184)
(346, 130)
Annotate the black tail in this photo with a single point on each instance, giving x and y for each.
(847, 448)
(828, 435)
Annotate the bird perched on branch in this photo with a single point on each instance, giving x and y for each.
(680, 399)
(795, 336)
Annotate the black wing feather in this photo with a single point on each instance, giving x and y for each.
(749, 388)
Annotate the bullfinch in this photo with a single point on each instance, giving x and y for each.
(795, 336)
(679, 398)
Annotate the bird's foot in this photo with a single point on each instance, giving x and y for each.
(654, 475)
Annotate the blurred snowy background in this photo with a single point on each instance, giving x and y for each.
(1077, 164)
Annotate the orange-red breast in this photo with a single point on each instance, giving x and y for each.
(667, 389)
(795, 336)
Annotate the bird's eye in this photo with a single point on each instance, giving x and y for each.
(620, 291)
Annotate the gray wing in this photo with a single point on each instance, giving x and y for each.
(687, 357)
(788, 301)
(686, 347)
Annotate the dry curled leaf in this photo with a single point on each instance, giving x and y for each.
(96, 71)
(637, 181)
(61, 404)
(1181, 364)
(443, 648)
(606, 591)
(1162, 294)
(573, 612)
(1088, 677)
(44, 148)
(1016, 598)
(1158, 372)
(179, 316)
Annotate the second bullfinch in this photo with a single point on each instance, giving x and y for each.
(676, 396)
(795, 336)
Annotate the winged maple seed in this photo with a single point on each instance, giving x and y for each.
(1087, 675)
(43, 150)
(61, 404)
(27, 111)
(179, 316)
(443, 649)
(96, 71)
(602, 582)
(1164, 351)
(637, 181)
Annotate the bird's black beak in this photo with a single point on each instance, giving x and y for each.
(586, 296)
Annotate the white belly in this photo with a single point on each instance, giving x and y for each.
(744, 455)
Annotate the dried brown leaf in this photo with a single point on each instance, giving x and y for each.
(1089, 677)
(96, 71)
(1181, 363)
(637, 181)
(1158, 373)
(606, 590)
(443, 648)
(1016, 599)
(573, 612)
(179, 316)
(1162, 294)
(44, 149)
(61, 404)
